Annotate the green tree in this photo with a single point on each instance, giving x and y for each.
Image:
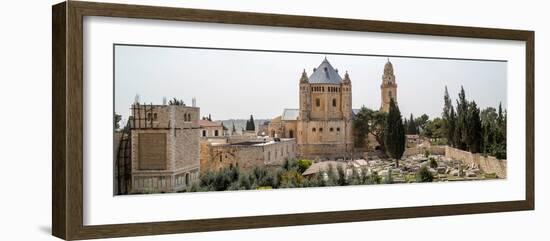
(377, 123)
(474, 130)
(461, 131)
(435, 128)
(412, 128)
(449, 119)
(421, 123)
(361, 127)
(250, 126)
(394, 133)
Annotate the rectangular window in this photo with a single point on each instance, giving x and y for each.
(317, 102)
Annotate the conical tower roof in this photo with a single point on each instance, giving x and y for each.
(325, 74)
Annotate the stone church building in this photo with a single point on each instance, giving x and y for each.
(323, 123)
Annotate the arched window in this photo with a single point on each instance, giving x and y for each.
(148, 116)
(187, 179)
(155, 116)
(334, 102)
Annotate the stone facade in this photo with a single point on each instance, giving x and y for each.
(246, 154)
(322, 126)
(164, 144)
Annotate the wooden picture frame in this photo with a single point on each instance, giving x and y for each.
(67, 123)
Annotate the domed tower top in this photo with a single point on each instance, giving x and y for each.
(304, 78)
(388, 77)
(346, 79)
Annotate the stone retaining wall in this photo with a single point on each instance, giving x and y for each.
(487, 164)
(433, 150)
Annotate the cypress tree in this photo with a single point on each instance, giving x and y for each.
(250, 126)
(474, 130)
(461, 130)
(394, 133)
(412, 128)
(449, 119)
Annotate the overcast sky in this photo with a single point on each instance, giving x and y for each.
(235, 83)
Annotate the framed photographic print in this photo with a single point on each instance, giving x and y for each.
(171, 120)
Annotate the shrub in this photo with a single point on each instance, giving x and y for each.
(388, 179)
(424, 175)
(342, 181)
(432, 162)
(303, 165)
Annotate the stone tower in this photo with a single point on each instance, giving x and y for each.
(324, 118)
(305, 97)
(388, 88)
(346, 98)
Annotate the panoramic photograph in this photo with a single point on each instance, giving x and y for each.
(190, 119)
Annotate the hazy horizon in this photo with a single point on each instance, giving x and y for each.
(233, 84)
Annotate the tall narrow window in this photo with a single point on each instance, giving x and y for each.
(215, 132)
(334, 102)
(204, 133)
(291, 134)
(317, 102)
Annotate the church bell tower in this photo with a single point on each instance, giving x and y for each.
(388, 88)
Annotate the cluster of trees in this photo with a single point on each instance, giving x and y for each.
(387, 128)
(466, 129)
(250, 126)
(414, 126)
